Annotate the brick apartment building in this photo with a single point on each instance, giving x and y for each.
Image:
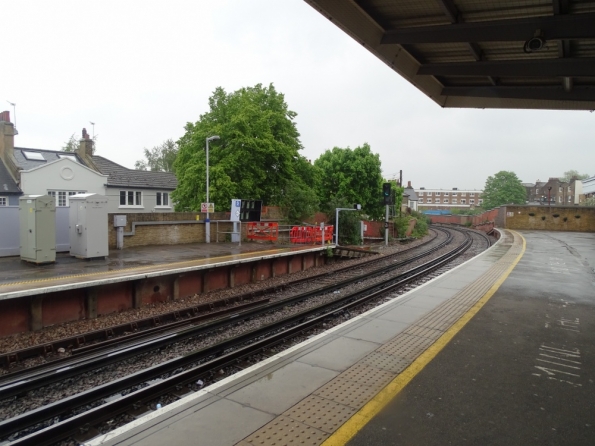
(448, 198)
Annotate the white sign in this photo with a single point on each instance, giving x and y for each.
(236, 205)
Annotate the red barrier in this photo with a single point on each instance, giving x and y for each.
(263, 231)
(310, 234)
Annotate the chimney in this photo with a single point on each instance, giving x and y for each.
(6, 136)
(409, 184)
(85, 145)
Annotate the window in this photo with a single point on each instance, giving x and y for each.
(560, 189)
(446, 194)
(69, 156)
(162, 199)
(454, 201)
(62, 196)
(569, 199)
(463, 194)
(131, 198)
(437, 194)
(33, 156)
(559, 199)
(463, 201)
(445, 200)
(471, 201)
(569, 189)
(480, 201)
(437, 200)
(3, 201)
(472, 194)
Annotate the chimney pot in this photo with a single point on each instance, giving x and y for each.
(5, 116)
(409, 184)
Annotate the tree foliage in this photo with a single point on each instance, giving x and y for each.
(160, 158)
(349, 221)
(503, 188)
(590, 201)
(573, 173)
(257, 156)
(353, 176)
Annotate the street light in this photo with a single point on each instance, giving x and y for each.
(207, 221)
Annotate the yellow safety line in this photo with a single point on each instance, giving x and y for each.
(348, 430)
(116, 271)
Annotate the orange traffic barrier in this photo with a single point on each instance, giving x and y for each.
(263, 231)
(310, 234)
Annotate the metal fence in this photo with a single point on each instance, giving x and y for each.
(10, 236)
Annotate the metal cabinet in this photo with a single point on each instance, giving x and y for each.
(37, 218)
(88, 226)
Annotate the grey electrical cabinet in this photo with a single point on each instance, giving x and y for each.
(37, 218)
(88, 226)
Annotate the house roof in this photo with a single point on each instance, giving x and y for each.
(7, 184)
(411, 193)
(528, 184)
(48, 156)
(120, 176)
(480, 54)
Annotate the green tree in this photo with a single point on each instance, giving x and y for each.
(257, 156)
(503, 188)
(160, 158)
(353, 176)
(573, 173)
(590, 201)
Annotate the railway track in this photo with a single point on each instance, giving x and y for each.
(88, 341)
(56, 421)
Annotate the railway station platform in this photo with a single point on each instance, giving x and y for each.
(36, 296)
(498, 351)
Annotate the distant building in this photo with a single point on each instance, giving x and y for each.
(556, 192)
(589, 187)
(410, 197)
(454, 198)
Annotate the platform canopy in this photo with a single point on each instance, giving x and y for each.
(526, 54)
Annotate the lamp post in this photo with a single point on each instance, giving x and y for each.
(549, 196)
(207, 221)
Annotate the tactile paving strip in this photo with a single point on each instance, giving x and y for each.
(321, 413)
(347, 392)
(406, 346)
(286, 431)
(353, 388)
(386, 362)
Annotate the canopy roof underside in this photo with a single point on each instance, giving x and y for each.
(526, 54)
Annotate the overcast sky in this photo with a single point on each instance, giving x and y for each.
(140, 70)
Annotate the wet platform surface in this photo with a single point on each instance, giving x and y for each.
(20, 276)
(521, 372)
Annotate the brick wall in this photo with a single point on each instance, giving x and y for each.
(554, 218)
(170, 232)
